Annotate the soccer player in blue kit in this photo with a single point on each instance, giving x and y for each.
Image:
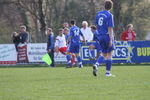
(74, 43)
(95, 45)
(105, 23)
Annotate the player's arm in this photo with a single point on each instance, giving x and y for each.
(110, 32)
(83, 38)
(56, 44)
(70, 36)
(69, 39)
(81, 34)
(110, 29)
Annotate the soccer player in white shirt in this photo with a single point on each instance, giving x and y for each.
(66, 33)
(60, 43)
(86, 31)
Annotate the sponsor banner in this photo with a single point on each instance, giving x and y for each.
(125, 52)
(22, 53)
(35, 51)
(31, 53)
(60, 58)
(8, 54)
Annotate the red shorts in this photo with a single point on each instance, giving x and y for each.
(63, 50)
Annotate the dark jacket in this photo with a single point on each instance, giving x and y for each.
(50, 42)
(24, 37)
(16, 39)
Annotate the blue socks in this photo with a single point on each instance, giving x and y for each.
(99, 60)
(79, 59)
(91, 53)
(68, 58)
(108, 64)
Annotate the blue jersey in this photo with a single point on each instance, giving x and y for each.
(66, 36)
(95, 36)
(104, 19)
(75, 34)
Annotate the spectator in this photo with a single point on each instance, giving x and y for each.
(50, 45)
(66, 25)
(129, 34)
(86, 31)
(16, 39)
(24, 36)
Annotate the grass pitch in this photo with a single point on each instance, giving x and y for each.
(43, 83)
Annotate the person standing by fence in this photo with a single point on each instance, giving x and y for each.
(50, 45)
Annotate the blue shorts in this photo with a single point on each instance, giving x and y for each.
(104, 43)
(97, 47)
(74, 48)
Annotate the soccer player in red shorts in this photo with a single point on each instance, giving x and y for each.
(66, 33)
(61, 45)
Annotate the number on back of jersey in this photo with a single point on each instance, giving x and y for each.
(76, 32)
(100, 21)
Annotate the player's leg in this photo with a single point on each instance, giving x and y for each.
(101, 48)
(91, 52)
(99, 61)
(68, 56)
(108, 60)
(76, 51)
(101, 58)
(73, 59)
(72, 55)
(79, 60)
(63, 50)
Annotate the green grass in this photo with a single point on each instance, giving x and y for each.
(42, 83)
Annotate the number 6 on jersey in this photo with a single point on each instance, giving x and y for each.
(100, 21)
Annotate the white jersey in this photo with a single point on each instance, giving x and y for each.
(60, 41)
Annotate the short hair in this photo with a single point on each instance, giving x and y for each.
(49, 29)
(61, 29)
(108, 4)
(93, 27)
(129, 25)
(72, 22)
(66, 29)
(23, 27)
(85, 22)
